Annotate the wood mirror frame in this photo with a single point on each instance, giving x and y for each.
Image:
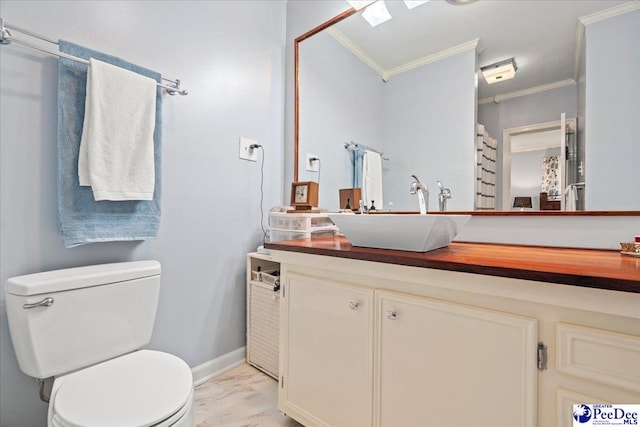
(296, 146)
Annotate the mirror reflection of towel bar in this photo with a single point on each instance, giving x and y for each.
(352, 146)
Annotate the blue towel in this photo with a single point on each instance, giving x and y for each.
(357, 168)
(358, 155)
(82, 219)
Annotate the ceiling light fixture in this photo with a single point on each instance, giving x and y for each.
(503, 70)
(413, 3)
(376, 13)
(359, 4)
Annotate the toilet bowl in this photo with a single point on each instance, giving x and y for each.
(86, 327)
(145, 388)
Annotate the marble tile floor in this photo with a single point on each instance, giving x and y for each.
(240, 397)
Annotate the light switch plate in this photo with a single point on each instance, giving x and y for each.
(312, 166)
(246, 152)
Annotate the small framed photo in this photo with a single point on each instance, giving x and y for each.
(304, 195)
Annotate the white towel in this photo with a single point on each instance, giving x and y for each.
(372, 179)
(570, 198)
(116, 149)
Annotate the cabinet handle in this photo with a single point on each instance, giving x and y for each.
(354, 305)
(391, 315)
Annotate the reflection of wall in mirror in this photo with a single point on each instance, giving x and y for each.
(608, 131)
(337, 105)
(612, 110)
(526, 110)
(423, 120)
(430, 131)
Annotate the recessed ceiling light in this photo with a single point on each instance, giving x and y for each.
(376, 13)
(359, 4)
(460, 2)
(413, 3)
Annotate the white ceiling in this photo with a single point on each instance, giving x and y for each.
(540, 34)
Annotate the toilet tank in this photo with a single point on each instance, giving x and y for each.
(96, 313)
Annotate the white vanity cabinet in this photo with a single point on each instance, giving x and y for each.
(328, 338)
(367, 343)
(452, 364)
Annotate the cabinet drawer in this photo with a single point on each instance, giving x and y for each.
(598, 355)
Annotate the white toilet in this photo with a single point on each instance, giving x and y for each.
(85, 326)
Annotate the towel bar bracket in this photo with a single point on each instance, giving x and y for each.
(5, 34)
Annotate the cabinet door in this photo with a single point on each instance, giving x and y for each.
(328, 349)
(444, 364)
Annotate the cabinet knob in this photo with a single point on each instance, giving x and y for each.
(391, 315)
(354, 305)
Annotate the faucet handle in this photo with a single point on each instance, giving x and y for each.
(445, 192)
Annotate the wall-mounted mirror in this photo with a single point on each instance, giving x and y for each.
(410, 89)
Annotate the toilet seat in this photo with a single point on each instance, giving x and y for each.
(145, 388)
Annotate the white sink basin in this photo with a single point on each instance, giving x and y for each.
(416, 233)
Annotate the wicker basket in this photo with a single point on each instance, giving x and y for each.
(630, 247)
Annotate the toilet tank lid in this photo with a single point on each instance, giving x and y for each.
(80, 277)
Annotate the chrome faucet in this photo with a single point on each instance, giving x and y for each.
(443, 195)
(421, 191)
(363, 207)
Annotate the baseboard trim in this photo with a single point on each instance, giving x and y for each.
(214, 367)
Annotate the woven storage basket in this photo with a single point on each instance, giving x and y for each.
(262, 337)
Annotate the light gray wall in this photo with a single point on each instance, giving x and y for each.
(532, 109)
(612, 112)
(429, 131)
(230, 56)
(338, 104)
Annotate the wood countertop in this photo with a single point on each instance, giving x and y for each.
(591, 268)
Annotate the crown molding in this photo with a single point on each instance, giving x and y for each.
(355, 49)
(386, 74)
(592, 18)
(475, 44)
(610, 13)
(529, 91)
(577, 58)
